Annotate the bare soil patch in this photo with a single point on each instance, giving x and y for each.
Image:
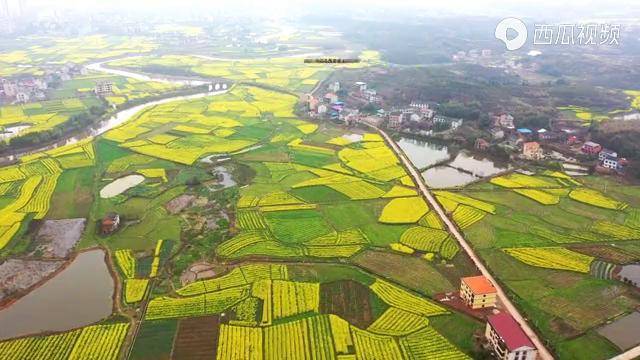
(18, 275)
(607, 253)
(348, 299)
(179, 203)
(409, 271)
(197, 338)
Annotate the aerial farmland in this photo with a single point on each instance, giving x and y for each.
(188, 190)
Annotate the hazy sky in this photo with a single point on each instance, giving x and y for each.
(494, 8)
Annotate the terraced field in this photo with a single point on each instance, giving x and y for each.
(38, 50)
(303, 196)
(286, 73)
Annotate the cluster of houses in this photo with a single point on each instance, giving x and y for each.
(331, 106)
(26, 89)
(528, 142)
(419, 118)
(608, 160)
(473, 54)
(503, 335)
(23, 91)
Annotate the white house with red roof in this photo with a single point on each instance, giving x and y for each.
(507, 339)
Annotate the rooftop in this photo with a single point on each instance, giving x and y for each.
(509, 330)
(479, 285)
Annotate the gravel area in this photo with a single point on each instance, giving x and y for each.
(180, 203)
(18, 275)
(57, 238)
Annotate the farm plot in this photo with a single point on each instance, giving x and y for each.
(405, 300)
(195, 128)
(205, 304)
(404, 211)
(595, 198)
(288, 73)
(552, 258)
(134, 290)
(40, 179)
(101, 342)
(429, 344)
(424, 239)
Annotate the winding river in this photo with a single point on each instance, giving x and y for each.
(82, 293)
(121, 116)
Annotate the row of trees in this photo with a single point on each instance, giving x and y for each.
(76, 122)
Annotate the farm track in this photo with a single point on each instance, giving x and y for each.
(543, 352)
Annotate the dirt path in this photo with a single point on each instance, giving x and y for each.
(543, 353)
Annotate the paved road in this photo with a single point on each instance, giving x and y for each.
(633, 353)
(543, 353)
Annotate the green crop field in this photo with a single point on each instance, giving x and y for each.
(542, 250)
(302, 196)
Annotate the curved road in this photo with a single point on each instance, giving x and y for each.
(543, 353)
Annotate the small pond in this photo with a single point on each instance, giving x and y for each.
(12, 131)
(423, 153)
(442, 168)
(481, 167)
(226, 180)
(439, 177)
(120, 185)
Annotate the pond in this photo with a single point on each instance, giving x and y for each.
(118, 186)
(422, 153)
(79, 295)
(439, 177)
(226, 180)
(442, 168)
(481, 167)
(12, 131)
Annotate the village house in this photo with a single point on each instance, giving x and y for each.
(9, 88)
(531, 150)
(496, 133)
(453, 123)
(330, 97)
(481, 144)
(103, 87)
(371, 95)
(507, 339)
(313, 103)
(334, 87)
(610, 162)
(110, 223)
(477, 291)
(591, 148)
(503, 120)
(606, 153)
(361, 86)
(22, 97)
(395, 120)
